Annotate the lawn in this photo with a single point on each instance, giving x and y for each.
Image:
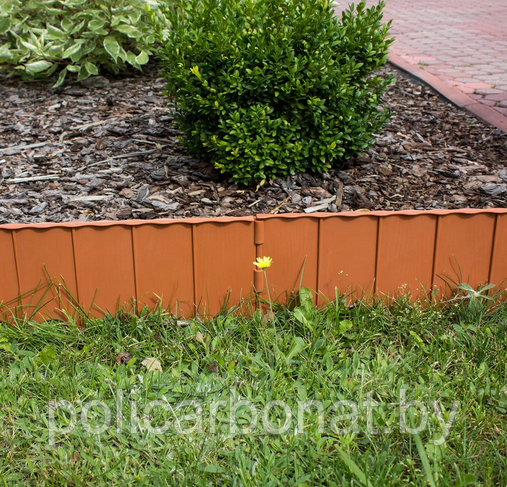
(374, 394)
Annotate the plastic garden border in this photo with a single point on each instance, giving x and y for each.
(193, 265)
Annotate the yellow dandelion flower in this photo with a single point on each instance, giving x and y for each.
(263, 262)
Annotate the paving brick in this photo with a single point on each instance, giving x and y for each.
(498, 97)
(490, 91)
(454, 74)
(430, 62)
(494, 70)
(476, 72)
(494, 79)
(489, 103)
(424, 58)
(462, 87)
(440, 67)
(479, 86)
(408, 51)
(460, 63)
(480, 66)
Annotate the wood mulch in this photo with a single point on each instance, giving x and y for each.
(107, 150)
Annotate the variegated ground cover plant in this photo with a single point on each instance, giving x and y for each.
(43, 37)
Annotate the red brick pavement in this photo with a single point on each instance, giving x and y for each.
(461, 42)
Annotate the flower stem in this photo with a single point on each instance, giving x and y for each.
(267, 289)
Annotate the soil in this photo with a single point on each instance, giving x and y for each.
(106, 149)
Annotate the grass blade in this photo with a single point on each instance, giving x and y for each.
(422, 452)
(353, 467)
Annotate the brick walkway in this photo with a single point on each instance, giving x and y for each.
(462, 42)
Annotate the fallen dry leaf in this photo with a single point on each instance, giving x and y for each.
(124, 358)
(152, 364)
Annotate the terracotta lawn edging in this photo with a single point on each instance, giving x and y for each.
(193, 264)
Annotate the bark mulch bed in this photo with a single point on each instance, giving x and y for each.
(106, 150)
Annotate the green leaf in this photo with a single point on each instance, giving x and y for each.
(213, 469)
(112, 47)
(47, 355)
(5, 54)
(77, 28)
(52, 69)
(5, 25)
(55, 51)
(72, 50)
(117, 19)
(131, 59)
(353, 467)
(77, 56)
(61, 78)
(142, 58)
(419, 341)
(129, 30)
(466, 480)
(5, 345)
(123, 54)
(83, 73)
(135, 15)
(231, 367)
(55, 32)
(91, 68)
(422, 452)
(67, 24)
(38, 66)
(318, 344)
(29, 46)
(6, 6)
(345, 326)
(96, 24)
(300, 316)
(131, 362)
(306, 298)
(296, 347)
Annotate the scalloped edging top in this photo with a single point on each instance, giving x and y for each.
(225, 219)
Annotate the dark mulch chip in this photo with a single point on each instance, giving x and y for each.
(108, 150)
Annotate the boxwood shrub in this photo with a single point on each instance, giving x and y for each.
(267, 88)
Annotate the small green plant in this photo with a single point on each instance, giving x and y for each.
(41, 37)
(475, 303)
(267, 88)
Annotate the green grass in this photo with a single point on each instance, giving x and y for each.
(366, 355)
